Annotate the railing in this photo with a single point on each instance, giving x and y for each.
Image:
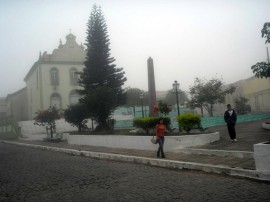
(219, 120)
(206, 121)
(9, 128)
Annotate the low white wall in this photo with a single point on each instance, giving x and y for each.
(142, 142)
(262, 156)
(31, 137)
(28, 128)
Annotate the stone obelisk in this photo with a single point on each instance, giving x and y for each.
(151, 87)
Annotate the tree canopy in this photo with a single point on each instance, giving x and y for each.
(170, 97)
(47, 118)
(205, 94)
(133, 97)
(101, 80)
(77, 116)
(241, 105)
(262, 69)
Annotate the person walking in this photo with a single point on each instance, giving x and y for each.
(230, 118)
(160, 132)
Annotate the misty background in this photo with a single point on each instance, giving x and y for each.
(186, 39)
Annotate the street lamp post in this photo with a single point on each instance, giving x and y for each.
(176, 90)
(141, 98)
(50, 110)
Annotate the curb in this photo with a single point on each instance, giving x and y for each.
(179, 165)
(211, 152)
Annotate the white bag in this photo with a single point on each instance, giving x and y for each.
(154, 140)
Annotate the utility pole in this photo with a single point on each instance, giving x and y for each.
(268, 61)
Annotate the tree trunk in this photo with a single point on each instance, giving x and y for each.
(201, 110)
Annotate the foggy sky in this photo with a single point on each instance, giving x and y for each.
(185, 38)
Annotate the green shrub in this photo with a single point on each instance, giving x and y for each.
(188, 120)
(150, 122)
(77, 116)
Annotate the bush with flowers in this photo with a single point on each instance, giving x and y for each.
(47, 118)
(162, 108)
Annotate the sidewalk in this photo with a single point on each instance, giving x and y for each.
(224, 156)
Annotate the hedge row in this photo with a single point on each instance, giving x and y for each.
(150, 122)
(186, 121)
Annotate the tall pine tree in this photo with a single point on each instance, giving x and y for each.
(102, 82)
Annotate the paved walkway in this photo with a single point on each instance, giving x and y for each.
(223, 156)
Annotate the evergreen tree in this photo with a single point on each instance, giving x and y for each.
(102, 82)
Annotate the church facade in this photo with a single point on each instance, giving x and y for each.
(52, 80)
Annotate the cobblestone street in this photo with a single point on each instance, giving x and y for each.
(28, 174)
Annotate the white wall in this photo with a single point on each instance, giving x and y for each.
(142, 142)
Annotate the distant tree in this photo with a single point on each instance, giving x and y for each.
(241, 105)
(133, 97)
(102, 82)
(77, 116)
(47, 118)
(170, 97)
(205, 94)
(262, 69)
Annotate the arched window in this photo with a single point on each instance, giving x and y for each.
(74, 97)
(56, 100)
(73, 76)
(54, 76)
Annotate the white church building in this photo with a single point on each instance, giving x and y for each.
(51, 81)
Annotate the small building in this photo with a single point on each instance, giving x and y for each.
(16, 105)
(256, 90)
(3, 108)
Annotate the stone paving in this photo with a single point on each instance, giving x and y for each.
(31, 175)
(248, 134)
